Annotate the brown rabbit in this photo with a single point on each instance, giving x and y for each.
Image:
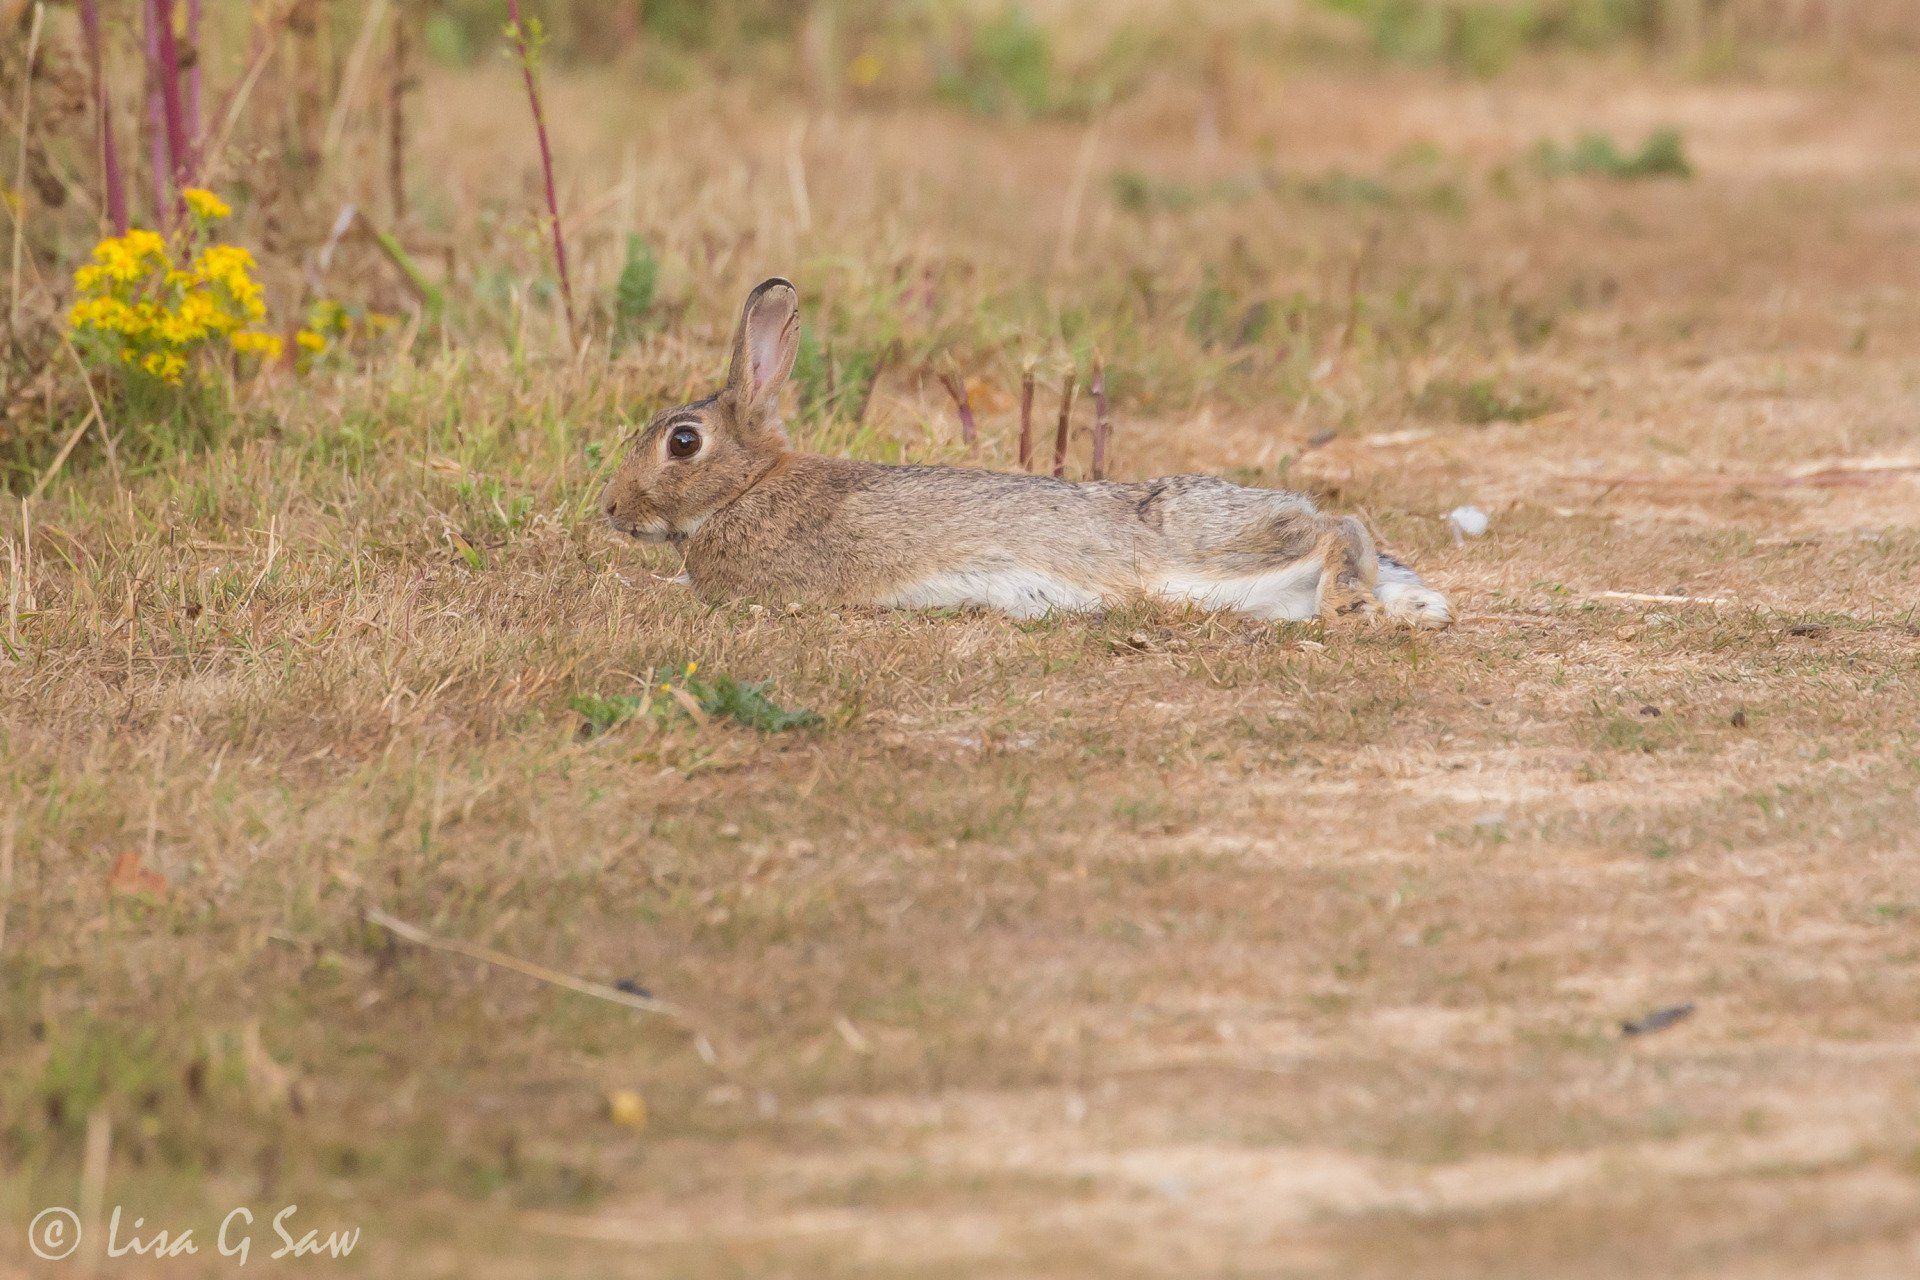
(754, 518)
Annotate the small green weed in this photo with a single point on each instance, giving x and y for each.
(1662, 155)
(633, 294)
(689, 697)
(1004, 68)
(603, 711)
(1479, 402)
(1484, 37)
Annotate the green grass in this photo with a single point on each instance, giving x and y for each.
(1661, 155)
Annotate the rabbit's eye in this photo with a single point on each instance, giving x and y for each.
(683, 443)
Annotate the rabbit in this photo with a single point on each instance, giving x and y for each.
(754, 518)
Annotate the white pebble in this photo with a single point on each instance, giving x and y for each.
(1471, 521)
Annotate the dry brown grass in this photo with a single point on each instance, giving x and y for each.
(1145, 945)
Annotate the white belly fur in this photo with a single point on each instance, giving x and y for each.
(1287, 594)
(1022, 592)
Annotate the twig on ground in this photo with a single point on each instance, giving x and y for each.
(1844, 473)
(1026, 415)
(1833, 468)
(527, 45)
(1658, 1020)
(1060, 432)
(60, 458)
(1642, 597)
(539, 973)
(957, 388)
(99, 414)
(1102, 423)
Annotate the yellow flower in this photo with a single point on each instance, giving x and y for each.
(231, 267)
(252, 342)
(201, 310)
(164, 365)
(205, 205)
(127, 258)
(157, 314)
(95, 313)
(864, 71)
(310, 340)
(142, 243)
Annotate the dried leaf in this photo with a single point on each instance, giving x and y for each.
(130, 874)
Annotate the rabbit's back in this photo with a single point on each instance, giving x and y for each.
(866, 531)
(926, 535)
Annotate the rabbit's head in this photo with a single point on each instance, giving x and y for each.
(693, 460)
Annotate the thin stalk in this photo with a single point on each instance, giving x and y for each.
(957, 388)
(111, 176)
(1060, 433)
(526, 47)
(194, 136)
(20, 169)
(1102, 424)
(263, 43)
(179, 152)
(1026, 416)
(157, 167)
(349, 88)
(398, 82)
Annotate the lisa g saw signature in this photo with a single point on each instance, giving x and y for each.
(55, 1233)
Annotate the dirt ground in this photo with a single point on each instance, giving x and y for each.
(1144, 945)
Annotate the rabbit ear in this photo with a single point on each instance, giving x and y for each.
(764, 348)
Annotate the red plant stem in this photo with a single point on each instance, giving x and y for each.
(1026, 418)
(195, 139)
(957, 388)
(1102, 424)
(546, 158)
(112, 178)
(178, 152)
(157, 168)
(1060, 435)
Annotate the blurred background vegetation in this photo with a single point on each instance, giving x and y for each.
(313, 128)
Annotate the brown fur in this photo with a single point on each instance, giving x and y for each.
(755, 518)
